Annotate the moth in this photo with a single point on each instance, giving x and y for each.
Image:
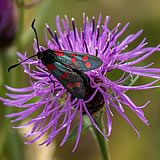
(67, 67)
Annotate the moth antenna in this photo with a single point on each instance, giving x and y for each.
(15, 65)
(34, 29)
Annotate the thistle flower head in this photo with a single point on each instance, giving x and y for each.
(57, 107)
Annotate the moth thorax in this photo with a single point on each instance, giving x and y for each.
(40, 55)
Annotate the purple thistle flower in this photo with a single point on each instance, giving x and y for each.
(93, 39)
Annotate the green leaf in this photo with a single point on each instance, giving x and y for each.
(85, 125)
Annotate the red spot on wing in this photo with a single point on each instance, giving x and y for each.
(64, 75)
(69, 85)
(88, 65)
(76, 84)
(73, 54)
(73, 85)
(73, 59)
(66, 65)
(51, 67)
(59, 53)
(85, 58)
(60, 78)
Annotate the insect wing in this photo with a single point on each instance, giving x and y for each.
(79, 61)
(70, 80)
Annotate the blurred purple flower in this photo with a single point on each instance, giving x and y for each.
(56, 115)
(8, 22)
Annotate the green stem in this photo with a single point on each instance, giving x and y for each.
(4, 65)
(102, 142)
(7, 56)
(7, 136)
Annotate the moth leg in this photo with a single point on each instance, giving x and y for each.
(52, 80)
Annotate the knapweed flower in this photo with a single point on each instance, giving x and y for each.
(8, 22)
(56, 108)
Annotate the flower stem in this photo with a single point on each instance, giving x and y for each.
(102, 142)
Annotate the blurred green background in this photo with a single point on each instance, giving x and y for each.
(124, 143)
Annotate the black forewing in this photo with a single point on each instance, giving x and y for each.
(79, 64)
(70, 80)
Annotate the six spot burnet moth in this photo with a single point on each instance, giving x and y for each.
(67, 67)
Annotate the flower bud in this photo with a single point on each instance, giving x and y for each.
(8, 23)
